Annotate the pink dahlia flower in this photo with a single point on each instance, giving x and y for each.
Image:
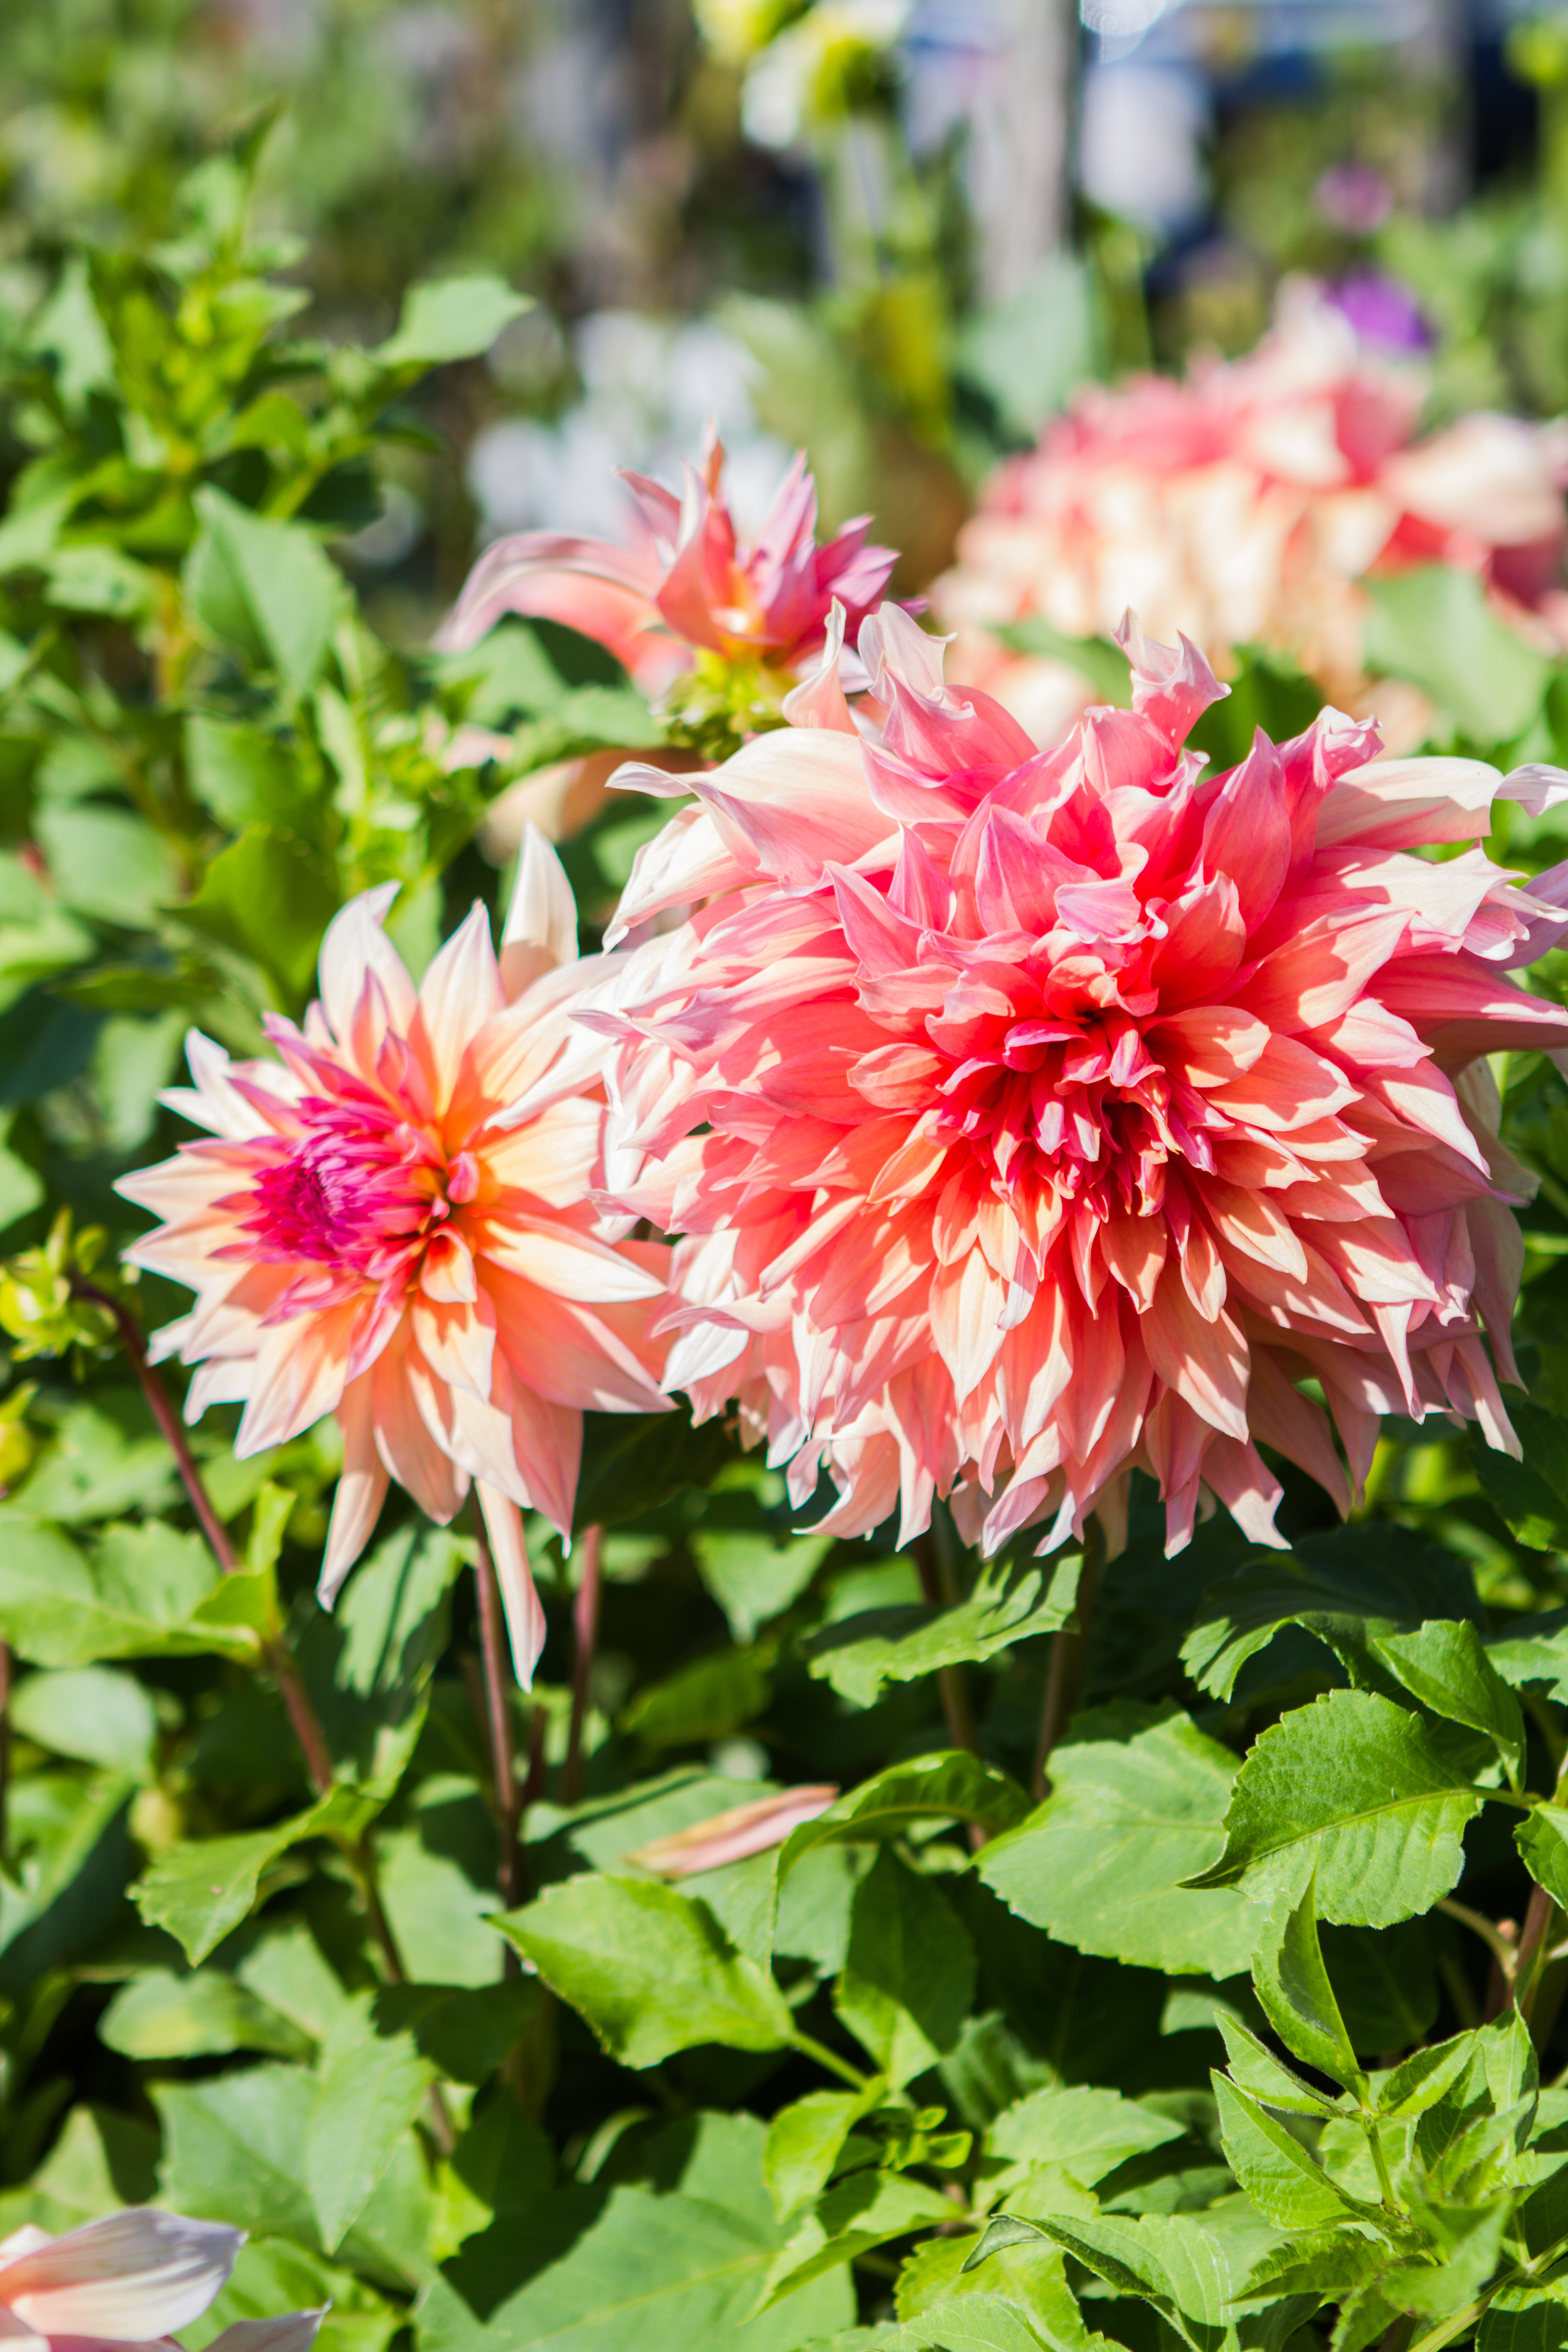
(394, 1222)
(1036, 1116)
(1242, 507)
(694, 586)
(129, 2279)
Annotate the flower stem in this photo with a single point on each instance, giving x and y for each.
(585, 1626)
(810, 2047)
(1538, 1918)
(1064, 1677)
(934, 1565)
(508, 1795)
(162, 1410)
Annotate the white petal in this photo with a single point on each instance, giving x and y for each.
(357, 944)
(134, 2276)
(541, 921)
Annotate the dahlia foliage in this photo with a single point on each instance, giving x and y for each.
(396, 1222)
(692, 587)
(130, 2278)
(1243, 506)
(1036, 1116)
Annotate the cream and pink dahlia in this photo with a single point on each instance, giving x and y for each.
(692, 587)
(130, 2278)
(394, 1222)
(1242, 507)
(1036, 1116)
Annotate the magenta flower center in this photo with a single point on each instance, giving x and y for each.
(361, 1191)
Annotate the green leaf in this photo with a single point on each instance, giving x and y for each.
(136, 1596)
(1346, 1589)
(263, 589)
(1542, 1842)
(93, 578)
(1385, 1981)
(1525, 2318)
(752, 1578)
(700, 1703)
(1362, 1791)
(1419, 2081)
(368, 1666)
(860, 1655)
(1256, 2069)
(1535, 1652)
(1137, 1801)
(92, 1713)
(201, 1892)
(107, 1458)
(161, 2015)
(466, 2032)
(1274, 2169)
(804, 2141)
(1088, 2132)
(268, 895)
(1530, 1496)
(973, 2322)
(1028, 352)
(950, 1786)
(649, 1969)
(109, 863)
(1445, 1666)
(851, 2218)
(909, 1977)
(631, 2267)
(451, 319)
(1434, 626)
(1293, 1988)
(369, 2088)
(241, 774)
(234, 2149)
(69, 1833)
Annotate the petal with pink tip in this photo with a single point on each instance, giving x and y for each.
(133, 2275)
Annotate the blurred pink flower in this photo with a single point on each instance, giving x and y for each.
(130, 2278)
(1033, 1117)
(397, 1224)
(695, 585)
(732, 1835)
(1242, 507)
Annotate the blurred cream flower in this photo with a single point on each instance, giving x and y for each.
(816, 70)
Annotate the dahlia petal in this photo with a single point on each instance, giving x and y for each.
(690, 859)
(355, 946)
(791, 815)
(362, 1489)
(1204, 1362)
(415, 1457)
(819, 700)
(1402, 803)
(1249, 1491)
(458, 1340)
(299, 1377)
(572, 1264)
(554, 1158)
(1535, 788)
(541, 930)
(133, 2275)
(548, 1441)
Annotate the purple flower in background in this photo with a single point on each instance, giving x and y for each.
(1381, 311)
(1355, 198)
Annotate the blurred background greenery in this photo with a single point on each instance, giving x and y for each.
(848, 226)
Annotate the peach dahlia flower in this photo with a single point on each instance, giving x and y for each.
(1241, 506)
(130, 2278)
(394, 1222)
(1035, 1116)
(693, 586)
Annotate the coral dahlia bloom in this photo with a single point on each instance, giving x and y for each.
(694, 587)
(1242, 507)
(394, 1222)
(130, 2278)
(1033, 1116)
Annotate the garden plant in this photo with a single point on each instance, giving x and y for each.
(797, 1580)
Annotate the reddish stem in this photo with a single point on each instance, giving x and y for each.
(585, 1627)
(161, 1408)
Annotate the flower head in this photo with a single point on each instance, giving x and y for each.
(694, 589)
(1033, 1116)
(394, 1222)
(130, 2278)
(1244, 505)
